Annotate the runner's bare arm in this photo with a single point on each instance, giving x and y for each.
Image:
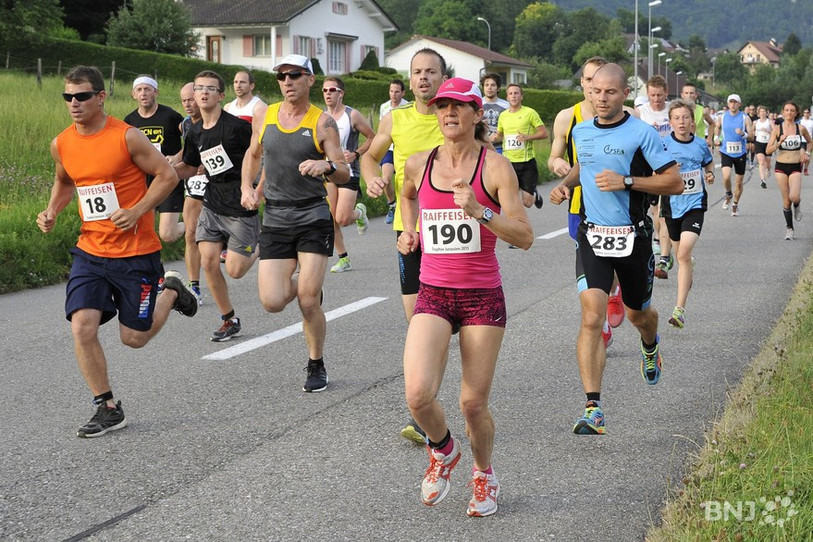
(327, 131)
(409, 240)
(371, 160)
(61, 193)
(512, 225)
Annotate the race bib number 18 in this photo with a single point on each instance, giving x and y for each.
(449, 231)
(98, 202)
(611, 241)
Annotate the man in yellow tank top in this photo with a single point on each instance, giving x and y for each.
(117, 261)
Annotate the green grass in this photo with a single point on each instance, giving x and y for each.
(759, 456)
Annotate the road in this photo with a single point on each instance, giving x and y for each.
(223, 444)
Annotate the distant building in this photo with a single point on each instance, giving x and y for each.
(755, 53)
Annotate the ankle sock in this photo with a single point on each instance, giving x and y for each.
(489, 470)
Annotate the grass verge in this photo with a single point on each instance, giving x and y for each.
(752, 480)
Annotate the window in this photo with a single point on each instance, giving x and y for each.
(303, 46)
(262, 45)
(336, 55)
(519, 78)
(339, 8)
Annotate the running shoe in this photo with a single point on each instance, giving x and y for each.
(789, 234)
(538, 203)
(105, 420)
(763, 185)
(670, 262)
(735, 209)
(486, 490)
(196, 292)
(615, 309)
(317, 377)
(435, 483)
(362, 222)
(678, 319)
(727, 200)
(797, 212)
(390, 215)
(223, 254)
(656, 247)
(342, 265)
(230, 328)
(412, 431)
(651, 363)
(661, 269)
(607, 336)
(592, 423)
(186, 303)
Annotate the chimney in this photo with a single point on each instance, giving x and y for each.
(773, 42)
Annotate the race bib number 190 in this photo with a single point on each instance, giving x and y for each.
(449, 231)
(611, 241)
(98, 202)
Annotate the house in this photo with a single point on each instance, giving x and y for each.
(466, 60)
(754, 53)
(259, 33)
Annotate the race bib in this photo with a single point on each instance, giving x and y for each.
(763, 137)
(196, 186)
(733, 148)
(692, 181)
(611, 241)
(157, 146)
(792, 143)
(449, 231)
(215, 160)
(510, 143)
(98, 202)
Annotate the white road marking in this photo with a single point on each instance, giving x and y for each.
(553, 234)
(280, 334)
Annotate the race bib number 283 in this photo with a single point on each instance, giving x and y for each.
(611, 241)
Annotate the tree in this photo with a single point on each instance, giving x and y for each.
(538, 27)
(582, 26)
(88, 17)
(370, 61)
(728, 70)
(449, 19)
(161, 26)
(35, 17)
(792, 45)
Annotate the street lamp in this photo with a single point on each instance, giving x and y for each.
(652, 45)
(489, 30)
(666, 69)
(649, 35)
(635, 50)
(659, 61)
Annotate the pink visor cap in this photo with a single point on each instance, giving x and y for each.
(461, 90)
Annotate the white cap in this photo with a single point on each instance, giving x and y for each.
(296, 60)
(734, 97)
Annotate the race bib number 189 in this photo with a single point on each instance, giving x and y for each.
(611, 241)
(449, 231)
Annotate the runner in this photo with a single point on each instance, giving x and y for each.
(561, 147)
(615, 231)
(387, 167)
(411, 129)
(342, 198)
(117, 259)
(684, 213)
(246, 105)
(703, 121)
(219, 143)
(762, 134)
(752, 113)
(455, 186)
(300, 150)
(807, 122)
(517, 128)
(734, 129)
(161, 126)
(493, 105)
(195, 188)
(790, 140)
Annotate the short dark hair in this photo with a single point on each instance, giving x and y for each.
(251, 80)
(514, 85)
(399, 83)
(429, 51)
(494, 77)
(221, 84)
(337, 80)
(86, 74)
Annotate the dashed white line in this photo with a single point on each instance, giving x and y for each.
(553, 234)
(259, 342)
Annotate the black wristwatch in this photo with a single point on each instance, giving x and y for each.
(488, 214)
(332, 167)
(628, 183)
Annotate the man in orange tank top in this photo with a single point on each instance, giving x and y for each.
(117, 260)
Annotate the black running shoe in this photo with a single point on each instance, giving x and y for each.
(230, 328)
(317, 377)
(538, 201)
(186, 303)
(106, 419)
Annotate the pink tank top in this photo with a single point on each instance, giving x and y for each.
(458, 252)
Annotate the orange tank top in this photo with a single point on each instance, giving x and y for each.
(106, 179)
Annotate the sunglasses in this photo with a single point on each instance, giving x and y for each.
(331, 89)
(80, 96)
(293, 75)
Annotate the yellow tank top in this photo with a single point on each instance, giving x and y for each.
(699, 123)
(576, 196)
(411, 132)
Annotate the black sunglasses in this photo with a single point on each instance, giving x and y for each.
(293, 75)
(80, 96)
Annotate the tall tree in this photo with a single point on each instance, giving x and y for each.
(792, 45)
(538, 27)
(34, 17)
(161, 26)
(728, 70)
(451, 19)
(88, 17)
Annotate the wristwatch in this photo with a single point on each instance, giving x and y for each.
(332, 167)
(628, 183)
(488, 214)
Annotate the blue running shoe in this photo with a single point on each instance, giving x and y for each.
(592, 423)
(651, 363)
(390, 214)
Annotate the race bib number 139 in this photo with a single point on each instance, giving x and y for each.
(611, 241)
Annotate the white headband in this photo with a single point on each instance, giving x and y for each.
(145, 80)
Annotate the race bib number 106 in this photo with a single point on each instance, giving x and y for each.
(449, 231)
(611, 241)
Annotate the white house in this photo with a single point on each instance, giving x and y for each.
(259, 33)
(467, 60)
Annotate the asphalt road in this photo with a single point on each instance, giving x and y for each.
(231, 448)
